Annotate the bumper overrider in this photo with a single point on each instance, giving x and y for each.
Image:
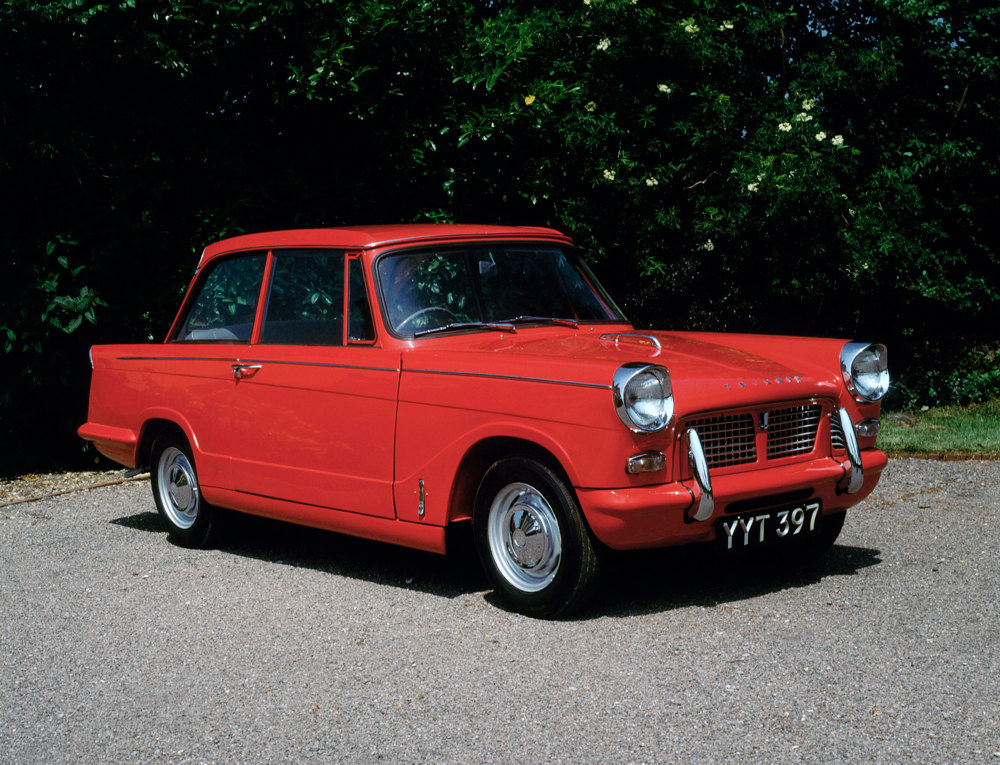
(688, 511)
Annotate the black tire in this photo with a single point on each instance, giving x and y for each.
(191, 521)
(532, 540)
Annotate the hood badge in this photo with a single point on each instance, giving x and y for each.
(765, 381)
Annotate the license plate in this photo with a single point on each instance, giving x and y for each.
(769, 526)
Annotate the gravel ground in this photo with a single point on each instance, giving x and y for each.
(290, 645)
(34, 486)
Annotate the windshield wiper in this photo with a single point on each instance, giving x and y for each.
(498, 326)
(544, 320)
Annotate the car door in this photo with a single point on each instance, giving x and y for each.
(315, 401)
(192, 381)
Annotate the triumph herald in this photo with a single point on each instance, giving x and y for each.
(389, 381)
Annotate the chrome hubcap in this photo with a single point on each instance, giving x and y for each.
(524, 537)
(178, 487)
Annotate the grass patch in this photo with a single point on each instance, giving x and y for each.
(964, 431)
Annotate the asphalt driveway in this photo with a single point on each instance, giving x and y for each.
(290, 645)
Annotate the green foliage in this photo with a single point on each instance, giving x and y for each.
(947, 430)
(825, 167)
(23, 333)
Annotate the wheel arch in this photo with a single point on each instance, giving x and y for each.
(477, 461)
(152, 429)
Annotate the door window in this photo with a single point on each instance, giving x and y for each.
(224, 309)
(306, 302)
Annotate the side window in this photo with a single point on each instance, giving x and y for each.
(306, 303)
(224, 308)
(359, 326)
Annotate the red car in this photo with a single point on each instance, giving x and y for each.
(387, 381)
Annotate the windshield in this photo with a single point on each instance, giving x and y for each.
(427, 289)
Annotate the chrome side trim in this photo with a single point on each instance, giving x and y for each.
(177, 358)
(856, 477)
(320, 364)
(699, 466)
(258, 361)
(599, 386)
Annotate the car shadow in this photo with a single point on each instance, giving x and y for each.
(631, 584)
(289, 544)
(665, 579)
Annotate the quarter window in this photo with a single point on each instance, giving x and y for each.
(360, 326)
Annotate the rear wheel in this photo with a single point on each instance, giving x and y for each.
(532, 540)
(191, 521)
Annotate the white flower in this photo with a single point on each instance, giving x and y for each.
(820, 136)
(604, 44)
(691, 28)
(803, 117)
(708, 246)
(609, 175)
(590, 106)
(586, 2)
(752, 186)
(837, 140)
(725, 25)
(652, 182)
(760, 176)
(808, 104)
(791, 173)
(785, 127)
(663, 88)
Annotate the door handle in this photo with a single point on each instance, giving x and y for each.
(240, 370)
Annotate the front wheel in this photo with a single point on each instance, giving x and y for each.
(532, 540)
(191, 521)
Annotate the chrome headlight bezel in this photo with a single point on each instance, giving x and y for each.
(630, 387)
(864, 367)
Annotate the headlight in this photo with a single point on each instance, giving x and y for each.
(865, 370)
(643, 397)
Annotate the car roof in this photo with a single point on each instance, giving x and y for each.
(366, 237)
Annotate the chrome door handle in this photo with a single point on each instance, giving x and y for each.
(239, 370)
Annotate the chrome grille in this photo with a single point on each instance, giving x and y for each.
(837, 440)
(728, 439)
(792, 431)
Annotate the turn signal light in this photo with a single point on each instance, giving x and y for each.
(646, 462)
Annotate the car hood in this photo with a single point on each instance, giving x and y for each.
(707, 370)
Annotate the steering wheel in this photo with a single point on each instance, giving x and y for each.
(422, 311)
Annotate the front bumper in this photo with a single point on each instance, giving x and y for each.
(659, 516)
